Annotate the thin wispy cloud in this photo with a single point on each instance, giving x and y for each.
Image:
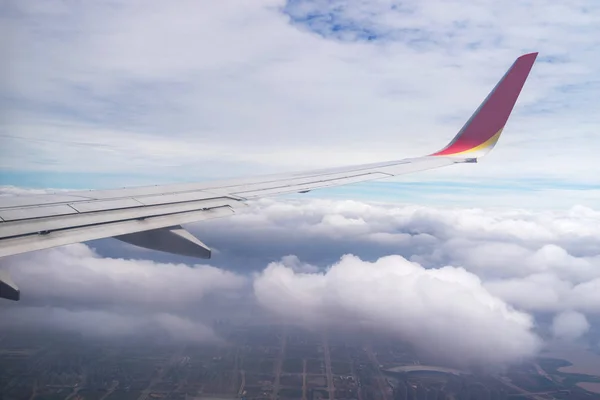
(198, 91)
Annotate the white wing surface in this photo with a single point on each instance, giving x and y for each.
(151, 216)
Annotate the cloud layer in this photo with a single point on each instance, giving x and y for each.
(460, 281)
(110, 282)
(545, 261)
(71, 288)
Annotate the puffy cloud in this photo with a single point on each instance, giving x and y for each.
(109, 282)
(294, 263)
(586, 296)
(74, 289)
(541, 261)
(570, 325)
(505, 262)
(535, 292)
(446, 311)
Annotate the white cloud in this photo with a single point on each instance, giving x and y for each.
(234, 87)
(492, 268)
(294, 263)
(542, 261)
(112, 282)
(586, 296)
(72, 288)
(446, 311)
(535, 292)
(570, 325)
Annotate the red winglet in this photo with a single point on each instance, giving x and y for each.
(481, 132)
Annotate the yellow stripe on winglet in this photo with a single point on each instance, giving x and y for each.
(487, 145)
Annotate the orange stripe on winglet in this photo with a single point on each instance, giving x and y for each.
(483, 147)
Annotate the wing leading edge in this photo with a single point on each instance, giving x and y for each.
(151, 216)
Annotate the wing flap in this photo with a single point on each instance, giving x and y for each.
(174, 239)
(49, 224)
(8, 289)
(32, 242)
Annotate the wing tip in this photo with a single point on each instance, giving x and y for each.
(528, 58)
(533, 54)
(482, 131)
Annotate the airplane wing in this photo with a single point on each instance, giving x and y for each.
(151, 216)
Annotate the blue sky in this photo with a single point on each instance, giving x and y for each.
(125, 93)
